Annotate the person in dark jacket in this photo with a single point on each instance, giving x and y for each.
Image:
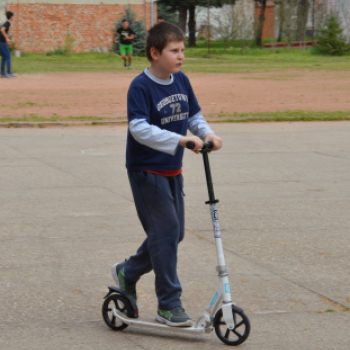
(5, 44)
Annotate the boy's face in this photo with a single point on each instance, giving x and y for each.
(125, 25)
(171, 58)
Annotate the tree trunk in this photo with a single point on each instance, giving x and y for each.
(281, 22)
(302, 12)
(182, 17)
(279, 39)
(261, 23)
(192, 26)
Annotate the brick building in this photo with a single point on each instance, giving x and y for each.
(42, 25)
(269, 28)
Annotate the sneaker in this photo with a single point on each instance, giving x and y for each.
(129, 67)
(4, 76)
(118, 274)
(12, 75)
(176, 317)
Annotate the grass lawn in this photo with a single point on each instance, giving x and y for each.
(199, 60)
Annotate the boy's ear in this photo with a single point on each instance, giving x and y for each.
(154, 54)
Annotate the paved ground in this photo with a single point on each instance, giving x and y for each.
(67, 215)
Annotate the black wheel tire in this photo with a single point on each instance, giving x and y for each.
(237, 336)
(120, 303)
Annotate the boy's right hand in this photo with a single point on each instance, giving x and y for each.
(198, 143)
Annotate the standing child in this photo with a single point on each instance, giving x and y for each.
(5, 44)
(125, 46)
(161, 107)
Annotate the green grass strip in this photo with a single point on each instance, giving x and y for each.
(283, 116)
(288, 115)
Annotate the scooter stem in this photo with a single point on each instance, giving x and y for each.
(221, 268)
(212, 199)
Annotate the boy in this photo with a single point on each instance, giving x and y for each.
(161, 107)
(5, 43)
(126, 37)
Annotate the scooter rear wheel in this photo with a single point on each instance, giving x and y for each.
(235, 336)
(120, 303)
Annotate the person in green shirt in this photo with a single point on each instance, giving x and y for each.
(126, 35)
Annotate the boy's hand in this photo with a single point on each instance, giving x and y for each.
(217, 141)
(198, 143)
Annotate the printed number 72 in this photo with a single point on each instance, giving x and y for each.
(176, 106)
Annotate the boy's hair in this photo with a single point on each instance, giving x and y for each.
(124, 20)
(9, 14)
(160, 17)
(160, 35)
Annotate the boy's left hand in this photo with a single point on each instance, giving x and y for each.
(217, 141)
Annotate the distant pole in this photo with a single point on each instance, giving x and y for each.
(313, 21)
(208, 44)
(152, 15)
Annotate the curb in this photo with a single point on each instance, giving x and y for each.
(62, 123)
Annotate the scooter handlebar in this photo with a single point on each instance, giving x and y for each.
(206, 145)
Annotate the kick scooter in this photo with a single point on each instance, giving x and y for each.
(229, 321)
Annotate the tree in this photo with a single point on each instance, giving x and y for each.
(302, 14)
(189, 6)
(227, 25)
(246, 28)
(181, 6)
(138, 27)
(192, 11)
(169, 13)
(192, 25)
(235, 23)
(260, 23)
(279, 5)
(286, 11)
(331, 39)
(183, 17)
(289, 20)
(343, 13)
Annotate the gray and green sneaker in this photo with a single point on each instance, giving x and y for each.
(176, 317)
(118, 274)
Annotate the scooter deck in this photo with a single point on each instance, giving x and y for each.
(153, 324)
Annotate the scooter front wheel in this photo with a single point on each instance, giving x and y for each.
(115, 302)
(234, 336)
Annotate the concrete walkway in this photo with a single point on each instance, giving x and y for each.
(67, 215)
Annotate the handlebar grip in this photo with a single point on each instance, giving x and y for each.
(206, 145)
(190, 145)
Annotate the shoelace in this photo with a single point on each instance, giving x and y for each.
(180, 309)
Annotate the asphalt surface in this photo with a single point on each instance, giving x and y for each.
(67, 215)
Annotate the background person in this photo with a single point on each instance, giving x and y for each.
(126, 35)
(5, 44)
(160, 19)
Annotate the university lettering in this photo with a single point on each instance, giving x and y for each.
(170, 99)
